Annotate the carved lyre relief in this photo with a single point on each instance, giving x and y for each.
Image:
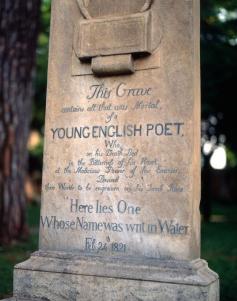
(112, 34)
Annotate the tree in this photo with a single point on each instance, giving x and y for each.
(219, 73)
(19, 22)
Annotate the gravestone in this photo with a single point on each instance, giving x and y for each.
(121, 178)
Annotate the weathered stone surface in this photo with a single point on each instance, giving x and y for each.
(24, 299)
(127, 32)
(103, 8)
(123, 27)
(121, 183)
(126, 35)
(75, 277)
(116, 64)
(130, 185)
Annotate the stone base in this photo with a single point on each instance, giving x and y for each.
(24, 299)
(59, 277)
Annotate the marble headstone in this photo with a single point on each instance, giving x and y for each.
(121, 179)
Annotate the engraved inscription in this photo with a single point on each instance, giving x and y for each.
(91, 184)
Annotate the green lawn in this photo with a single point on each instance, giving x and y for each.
(219, 248)
(18, 252)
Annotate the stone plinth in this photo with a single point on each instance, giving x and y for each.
(60, 276)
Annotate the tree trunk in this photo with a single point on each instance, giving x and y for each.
(19, 21)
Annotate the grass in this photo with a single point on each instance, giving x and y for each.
(18, 252)
(219, 248)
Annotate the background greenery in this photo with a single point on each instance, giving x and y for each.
(219, 79)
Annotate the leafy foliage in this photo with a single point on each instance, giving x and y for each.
(219, 64)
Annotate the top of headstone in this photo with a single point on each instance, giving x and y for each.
(103, 8)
